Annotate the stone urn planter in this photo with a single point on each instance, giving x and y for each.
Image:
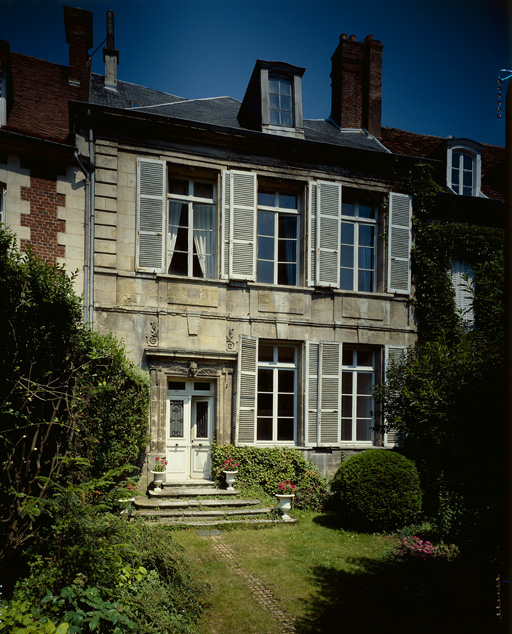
(158, 478)
(230, 479)
(285, 504)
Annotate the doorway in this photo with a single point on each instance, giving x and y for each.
(189, 429)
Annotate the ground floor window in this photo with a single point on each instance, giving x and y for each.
(276, 402)
(358, 378)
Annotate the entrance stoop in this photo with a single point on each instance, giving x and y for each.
(199, 503)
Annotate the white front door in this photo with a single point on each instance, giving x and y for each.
(189, 429)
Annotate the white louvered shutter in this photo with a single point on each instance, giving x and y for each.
(246, 394)
(239, 225)
(463, 279)
(399, 250)
(330, 393)
(328, 227)
(312, 253)
(151, 197)
(311, 391)
(393, 354)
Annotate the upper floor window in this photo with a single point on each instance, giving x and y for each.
(358, 247)
(277, 238)
(280, 101)
(463, 170)
(192, 228)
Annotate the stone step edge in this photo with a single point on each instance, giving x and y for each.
(163, 503)
(193, 513)
(190, 492)
(234, 522)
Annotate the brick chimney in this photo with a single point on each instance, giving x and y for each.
(110, 54)
(357, 84)
(78, 25)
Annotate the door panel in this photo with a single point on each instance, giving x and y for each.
(201, 433)
(178, 436)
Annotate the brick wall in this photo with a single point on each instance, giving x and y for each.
(43, 219)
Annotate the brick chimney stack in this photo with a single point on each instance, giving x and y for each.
(78, 25)
(357, 84)
(110, 54)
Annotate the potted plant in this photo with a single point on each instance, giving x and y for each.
(159, 472)
(230, 468)
(285, 497)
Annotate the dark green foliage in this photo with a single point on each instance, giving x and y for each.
(111, 407)
(267, 467)
(376, 490)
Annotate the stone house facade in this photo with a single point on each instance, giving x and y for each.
(255, 263)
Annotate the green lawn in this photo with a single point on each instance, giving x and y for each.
(331, 581)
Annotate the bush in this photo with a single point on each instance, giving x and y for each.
(376, 490)
(267, 467)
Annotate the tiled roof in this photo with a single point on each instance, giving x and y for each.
(218, 111)
(41, 94)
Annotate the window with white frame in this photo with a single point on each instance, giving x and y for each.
(280, 101)
(358, 378)
(463, 281)
(277, 238)
(276, 393)
(463, 167)
(2, 203)
(358, 247)
(192, 227)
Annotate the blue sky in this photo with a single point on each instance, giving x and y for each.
(441, 58)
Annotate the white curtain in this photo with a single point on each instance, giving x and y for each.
(204, 238)
(174, 220)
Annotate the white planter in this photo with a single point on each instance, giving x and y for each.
(230, 479)
(285, 504)
(158, 478)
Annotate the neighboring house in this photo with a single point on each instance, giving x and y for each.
(256, 263)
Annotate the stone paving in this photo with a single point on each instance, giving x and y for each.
(260, 592)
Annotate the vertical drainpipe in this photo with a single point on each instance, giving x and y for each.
(92, 205)
(87, 212)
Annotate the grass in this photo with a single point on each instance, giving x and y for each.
(331, 581)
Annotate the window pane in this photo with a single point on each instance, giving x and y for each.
(287, 201)
(365, 258)
(455, 176)
(274, 117)
(364, 406)
(176, 419)
(364, 383)
(265, 272)
(347, 356)
(285, 380)
(365, 281)
(267, 199)
(347, 280)
(286, 119)
(264, 431)
(286, 104)
(273, 101)
(201, 419)
(467, 162)
(265, 353)
(468, 179)
(365, 211)
(285, 405)
(346, 405)
(285, 354)
(265, 404)
(346, 382)
(273, 85)
(365, 235)
(203, 190)
(178, 186)
(346, 429)
(364, 431)
(365, 358)
(347, 233)
(285, 87)
(265, 223)
(287, 251)
(287, 226)
(347, 256)
(202, 387)
(284, 429)
(265, 248)
(347, 209)
(287, 274)
(265, 380)
(179, 263)
(176, 385)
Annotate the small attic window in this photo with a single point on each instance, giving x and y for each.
(464, 167)
(135, 104)
(273, 100)
(280, 101)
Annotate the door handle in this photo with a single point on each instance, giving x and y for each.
(200, 444)
(176, 445)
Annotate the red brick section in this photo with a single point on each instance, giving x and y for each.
(42, 220)
(41, 95)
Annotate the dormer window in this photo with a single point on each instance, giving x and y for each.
(280, 101)
(463, 170)
(273, 100)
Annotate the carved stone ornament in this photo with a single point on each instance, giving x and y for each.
(230, 343)
(152, 338)
(177, 370)
(207, 372)
(192, 368)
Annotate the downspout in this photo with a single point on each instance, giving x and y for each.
(87, 213)
(92, 206)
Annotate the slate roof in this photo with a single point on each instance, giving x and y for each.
(218, 111)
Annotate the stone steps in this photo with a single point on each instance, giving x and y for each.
(198, 503)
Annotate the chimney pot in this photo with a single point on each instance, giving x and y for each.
(78, 25)
(368, 38)
(110, 54)
(343, 36)
(352, 38)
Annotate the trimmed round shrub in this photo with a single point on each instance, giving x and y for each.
(376, 490)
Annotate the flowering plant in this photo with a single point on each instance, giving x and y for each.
(230, 465)
(413, 546)
(286, 488)
(160, 464)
